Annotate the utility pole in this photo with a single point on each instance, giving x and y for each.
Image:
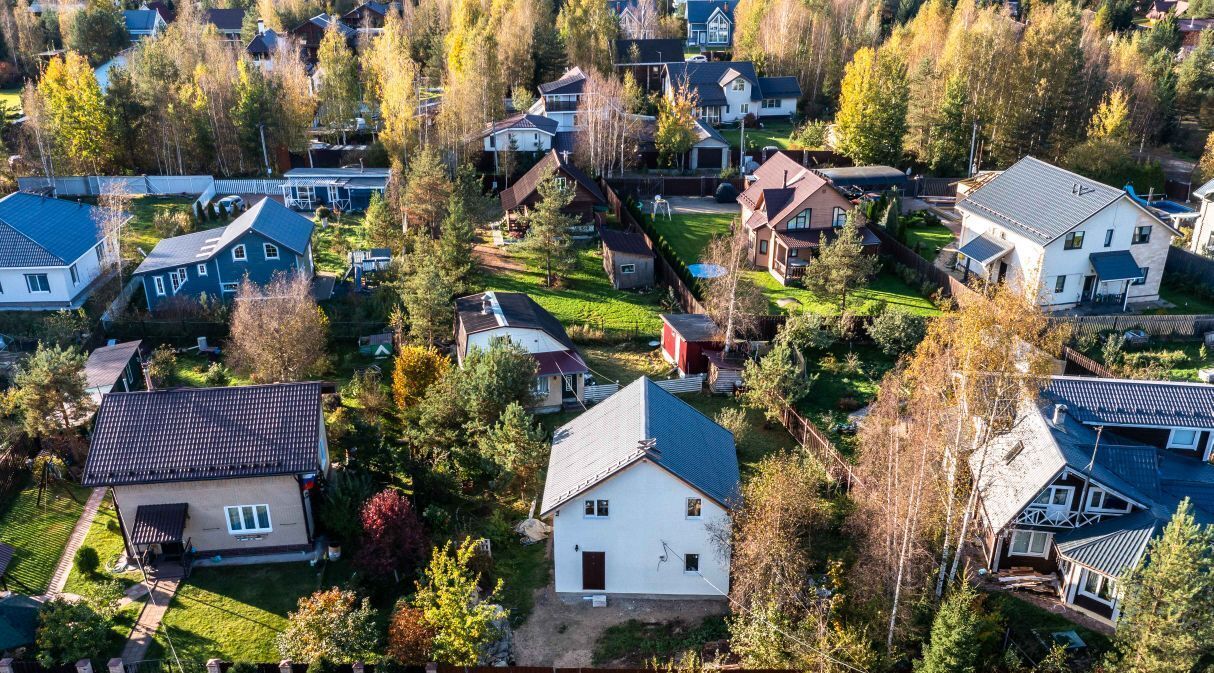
(742, 142)
(973, 144)
(261, 129)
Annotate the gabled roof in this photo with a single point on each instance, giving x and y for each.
(1039, 200)
(380, 8)
(337, 173)
(323, 21)
(522, 121)
(708, 78)
(140, 20)
(699, 11)
(659, 50)
(641, 422)
(572, 82)
(263, 43)
(518, 193)
(1099, 401)
(705, 131)
(1112, 546)
(41, 231)
(780, 87)
(780, 189)
(194, 434)
(162, 9)
(508, 309)
(625, 242)
(268, 218)
(226, 20)
(106, 364)
(693, 327)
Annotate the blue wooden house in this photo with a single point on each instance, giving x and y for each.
(710, 23)
(266, 239)
(344, 189)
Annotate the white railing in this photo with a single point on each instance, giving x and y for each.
(1036, 516)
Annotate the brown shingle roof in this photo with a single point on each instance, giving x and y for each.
(522, 189)
(157, 524)
(193, 434)
(625, 242)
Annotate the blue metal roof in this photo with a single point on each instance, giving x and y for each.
(139, 20)
(699, 11)
(608, 439)
(984, 249)
(1170, 404)
(1115, 265)
(41, 231)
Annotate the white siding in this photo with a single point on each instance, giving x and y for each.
(13, 288)
(525, 141)
(648, 522)
(532, 340)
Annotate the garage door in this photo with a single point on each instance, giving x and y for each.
(710, 157)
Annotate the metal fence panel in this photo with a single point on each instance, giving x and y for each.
(689, 384)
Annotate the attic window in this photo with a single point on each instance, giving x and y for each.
(1013, 452)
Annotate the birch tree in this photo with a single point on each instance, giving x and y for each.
(338, 91)
(392, 76)
(606, 130)
(731, 298)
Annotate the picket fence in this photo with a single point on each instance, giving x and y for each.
(264, 186)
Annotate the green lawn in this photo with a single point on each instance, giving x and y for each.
(688, 233)
(106, 537)
(1023, 618)
(330, 244)
(773, 134)
(11, 98)
(1186, 302)
(886, 287)
(928, 240)
(39, 532)
(844, 384)
(235, 612)
(636, 643)
(586, 298)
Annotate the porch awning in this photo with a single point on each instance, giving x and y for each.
(559, 362)
(157, 524)
(1115, 265)
(984, 249)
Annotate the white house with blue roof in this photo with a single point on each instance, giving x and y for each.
(267, 239)
(1087, 476)
(727, 91)
(1064, 239)
(635, 487)
(52, 253)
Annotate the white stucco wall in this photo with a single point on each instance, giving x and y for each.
(13, 288)
(1035, 269)
(1201, 243)
(787, 106)
(532, 340)
(647, 507)
(525, 141)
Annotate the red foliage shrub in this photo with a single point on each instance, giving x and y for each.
(410, 638)
(393, 540)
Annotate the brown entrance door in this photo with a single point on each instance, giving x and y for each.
(594, 571)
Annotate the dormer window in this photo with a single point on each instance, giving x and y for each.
(1183, 438)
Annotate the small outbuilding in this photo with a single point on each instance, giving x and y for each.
(115, 367)
(865, 178)
(686, 337)
(627, 260)
(18, 621)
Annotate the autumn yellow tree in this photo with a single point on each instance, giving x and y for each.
(392, 82)
(79, 121)
(416, 369)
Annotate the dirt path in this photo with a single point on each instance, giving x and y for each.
(563, 634)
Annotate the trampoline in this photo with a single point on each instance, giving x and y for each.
(706, 270)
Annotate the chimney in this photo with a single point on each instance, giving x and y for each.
(261, 26)
(785, 179)
(1059, 414)
(486, 304)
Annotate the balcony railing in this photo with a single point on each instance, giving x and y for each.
(1036, 516)
(560, 105)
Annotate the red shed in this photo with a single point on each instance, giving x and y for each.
(685, 337)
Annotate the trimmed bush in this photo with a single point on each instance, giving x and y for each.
(87, 561)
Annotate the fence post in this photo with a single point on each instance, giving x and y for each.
(84, 666)
(284, 666)
(115, 665)
(6, 665)
(214, 666)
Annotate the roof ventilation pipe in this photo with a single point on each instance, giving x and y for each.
(1059, 414)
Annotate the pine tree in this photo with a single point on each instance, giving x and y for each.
(1166, 603)
(427, 294)
(950, 134)
(871, 121)
(383, 228)
(254, 105)
(548, 229)
(842, 266)
(517, 444)
(954, 646)
(427, 188)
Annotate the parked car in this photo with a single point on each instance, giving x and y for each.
(230, 204)
(698, 58)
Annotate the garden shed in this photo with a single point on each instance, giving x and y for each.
(627, 260)
(686, 337)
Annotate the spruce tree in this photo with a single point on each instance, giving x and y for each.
(1167, 602)
(842, 266)
(548, 229)
(955, 645)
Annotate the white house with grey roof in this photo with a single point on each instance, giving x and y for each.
(1063, 239)
(1087, 476)
(52, 253)
(635, 487)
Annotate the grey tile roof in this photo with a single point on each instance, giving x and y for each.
(195, 434)
(694, 327)
(264, 43)
(780, 87)
(983, 248)
(268, 218)
(1115, 265)
(41, 231)
(572, 82)
(1008, 486)
(522, 120)
(1038, 200)
(707, 132)
(1204, 191)
(608, 438)
(337, 173)
(106, 364)
(157, 524)
(657, 50)
(1129, 402)
(625, 242)
(225, 19)
(513, 309)
(1112, 546)
(706, 78)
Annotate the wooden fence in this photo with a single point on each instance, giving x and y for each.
(953, 287)
(1082, 365)
(1154, 325)
(186, 332)
(813, 440)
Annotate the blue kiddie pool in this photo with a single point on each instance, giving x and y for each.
(706, 270)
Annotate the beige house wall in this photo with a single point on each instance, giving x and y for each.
(206, 527)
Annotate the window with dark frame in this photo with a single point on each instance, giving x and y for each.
(1059, 284)
(595, 509)
(1108, 238)
(1142, 234)
(1073, 241)
(1142, 280)
(694, 507)
(691, 563)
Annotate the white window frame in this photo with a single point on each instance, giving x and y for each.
(718, 30)
(698, 505)
(202, 269)
(267, 247)
(745, 108)
(177, 278)
(628, 268)
(769, 103)
(687, 569)
(601, 508)
(257, 529)
(1104, 496)
(243, 256)
(541, 386)
(229, 287)
(1032, 535)
(75, 273)
(1173, 444)
(45, 283)
(561, 181)
(1052, 490)
(158, 284)
(738, 84)
(1102, 582)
